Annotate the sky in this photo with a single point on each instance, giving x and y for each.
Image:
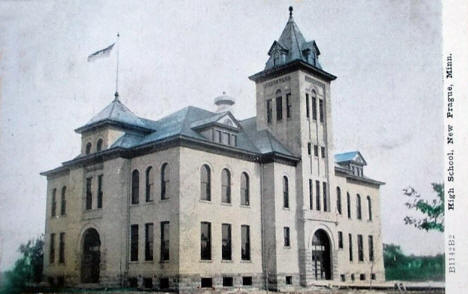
(386, 102)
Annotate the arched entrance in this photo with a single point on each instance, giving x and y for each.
(91, 257)
(321, 256)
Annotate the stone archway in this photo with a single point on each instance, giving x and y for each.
(90, 256)
(321, 256)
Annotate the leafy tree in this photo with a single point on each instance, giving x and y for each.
(432, 211)
(27, 269)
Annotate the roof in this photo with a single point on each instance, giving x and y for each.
(354, 156)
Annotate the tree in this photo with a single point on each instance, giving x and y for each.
(27, 269)
(433, 212)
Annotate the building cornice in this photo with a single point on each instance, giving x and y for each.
(343, 172)
(110, 122)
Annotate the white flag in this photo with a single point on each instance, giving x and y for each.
(101, 53)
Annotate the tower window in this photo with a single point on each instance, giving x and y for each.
(100, 192)
(307, 106)
(309, 148)
(63, 203)
(99, 145)
(315, 150)
(287, 242)
(314, 108)
(54, 203)
(358, 207)
(325, 197)
(321, 110)
(340, 240)
(369, 207)
(288, 105)
(269, 110)
(348, 203)
(135, 187)
(317, 195)
(279, 108)
(89, 193)
(338, 199)
(88, 148)
(311, 194)
(285, 192)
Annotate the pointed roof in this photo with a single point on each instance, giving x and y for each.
(354, 156)
(116, 113)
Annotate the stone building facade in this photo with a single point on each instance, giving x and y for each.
(199, 199)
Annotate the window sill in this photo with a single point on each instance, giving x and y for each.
(286, 208)
(246, 261)
(205, 201)
(286, 247)
(244, 205)
(148, 203)
(226, 261)
(133, 262)
(148, 262)
(226, 204)
(164, 261)
(164, 200)
(206, 261)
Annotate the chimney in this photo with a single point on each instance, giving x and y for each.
(224, 103)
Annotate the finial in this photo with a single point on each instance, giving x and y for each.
(290, 11)
(224, 92)
(118, 34)
(116, 95)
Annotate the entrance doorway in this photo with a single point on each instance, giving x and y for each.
(91, 257)
(321, 256)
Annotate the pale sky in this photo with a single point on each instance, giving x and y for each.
(386, 102)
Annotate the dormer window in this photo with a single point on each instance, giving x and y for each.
(224, 137)
(99, 145)
(88, 148)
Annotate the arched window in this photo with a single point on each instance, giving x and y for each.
(369, 207)
(63, 202)
(53, 211)
(279, 105)
(338, 199)
(285, 192)
(99, 145)
(135, 187)
(245, 189)
(358, 207)
(348, 203)
(164, 181)
(314, 105)
(205, 181)
(226, 186)
(149, 184)
(88, 148)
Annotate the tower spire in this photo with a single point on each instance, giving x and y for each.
(117, 70)
(290, 11)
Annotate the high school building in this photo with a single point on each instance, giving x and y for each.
(201, 199)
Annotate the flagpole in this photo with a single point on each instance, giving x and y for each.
(117, 70)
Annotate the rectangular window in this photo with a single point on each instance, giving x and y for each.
(148, 283)
(373, 277)
(348, 202)
(163, 283)
(165, 241)
(286, 237)
(315, 150)
(279, 108)
(245, 242)
(226, 242)
(63, 202)
(228, 282)
(360, 248)
(340, 240)
(52, 248)
(350, 247)
(62, 248)
(309, 148)
(149, 241)
(321, 109)
(314, 108)
(54, 203)
(219, 136)
(89, 193)
(269, 110)
(325, 197)
(311, 194)
(371, 248)
(133, 242)
(233, 140)
(362, 277)
(99, 199)
(307, 106)
(206, 282)
(246, 281)
(322, 149)
(317, 195)
(288, 280)
(205, 244)
(288, 105)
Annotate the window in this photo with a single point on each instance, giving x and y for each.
(53, 210)
(228, 282)
(343, 277)
(134, 243)
(63, 202)
(360, 248)
(285, 192)
(352, 277)
(165, 241)
(205, 180)
(371, 248)
(325, 197)
(338, 199)
(135, 187)
(269, 110)
(149, 184)
(245, 242)
(225, 186)
(350, 247)
(62, 248)
(372, 276)
(322, 151)
(52, 248)
(206, 282)
(88, 148)
(99, 145)
(362, 277)
(164, 181)
(89, 193)
(233, 140)
(315, 150)
(309, 148)
(226, 242)
(148, 283)
(314, 107)
(100, 193)
(369, 208)
(245, 189)
(246, 281)
(205, 244)
(307, 106)
(340, 240)
(311, 195)
(317, 195)
(163, 283)
(149, 237)
(321, 109)
(348, 203)
(225, 138)
(279, 108)
(288, 280)
(287, 242)
(288, 105)
(358, 207)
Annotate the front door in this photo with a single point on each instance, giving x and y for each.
(321, 266)
(91, 257)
